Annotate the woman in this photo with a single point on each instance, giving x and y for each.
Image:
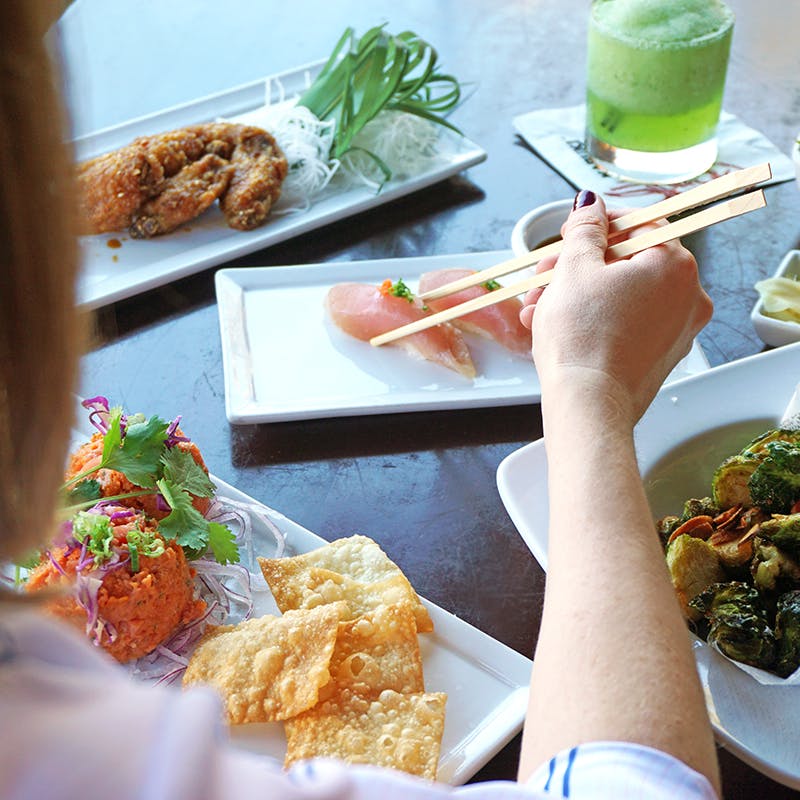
(610, 716)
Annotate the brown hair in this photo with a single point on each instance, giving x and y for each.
(39, 330)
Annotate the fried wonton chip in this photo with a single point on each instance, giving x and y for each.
(354, 569)
(269, 668)
(401, 731)
(374, 652)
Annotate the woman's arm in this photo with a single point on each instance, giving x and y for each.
(613, 660)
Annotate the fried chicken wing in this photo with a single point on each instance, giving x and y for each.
(185, 195)
(113, 186)
(156, 183)
(260, 168)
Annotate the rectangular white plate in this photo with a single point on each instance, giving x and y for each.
(285, 360)
(690, 428)
(486, 682)
(113, 274)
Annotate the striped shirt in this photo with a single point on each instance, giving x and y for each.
(74, 726)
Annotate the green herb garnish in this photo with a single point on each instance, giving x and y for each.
(93, 530)
(136, 453)
(399, 289)
(377, 72)
(491, 285)
(180, 468)
(190, 529)
(143, 543)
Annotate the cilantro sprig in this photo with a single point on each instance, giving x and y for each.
(139, 448)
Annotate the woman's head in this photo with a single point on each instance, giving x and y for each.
(39, 331)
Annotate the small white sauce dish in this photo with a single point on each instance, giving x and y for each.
(777, 332)
(796, 158)
(539, 226)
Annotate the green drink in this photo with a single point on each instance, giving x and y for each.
(656, 73)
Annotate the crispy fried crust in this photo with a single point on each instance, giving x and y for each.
(158, 182)
(268, 668)
(186, 195)
(400, 731)
(260, 169)
(354, 569)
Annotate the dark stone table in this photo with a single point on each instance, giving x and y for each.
(422, 484)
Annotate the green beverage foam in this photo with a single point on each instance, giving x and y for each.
(654, 23)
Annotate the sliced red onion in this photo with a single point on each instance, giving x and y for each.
(172, 438)
(99, 412)
(86, 589)
(55, 563)
(228, 510)
(64, 534)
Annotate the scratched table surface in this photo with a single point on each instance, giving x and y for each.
(422, 484)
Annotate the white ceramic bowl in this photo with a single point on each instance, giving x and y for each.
(539, 225)
(796, 158)
(777, 332)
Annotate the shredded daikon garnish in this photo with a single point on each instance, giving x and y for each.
(405, 143)
(306, 143)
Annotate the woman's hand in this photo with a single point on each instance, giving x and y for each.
(618, 328)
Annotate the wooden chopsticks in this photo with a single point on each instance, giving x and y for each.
(699, 196)
(713, 190)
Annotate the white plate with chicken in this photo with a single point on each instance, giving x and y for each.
(148, 188)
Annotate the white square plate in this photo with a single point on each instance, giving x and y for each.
(692, 425)
(111, 274)
(284, 359)
(486, 682)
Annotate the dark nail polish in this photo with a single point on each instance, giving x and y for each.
(585, 197)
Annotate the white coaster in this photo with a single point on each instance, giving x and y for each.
(557, 136)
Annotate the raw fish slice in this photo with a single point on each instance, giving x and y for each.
(499, 322)
(363, 311)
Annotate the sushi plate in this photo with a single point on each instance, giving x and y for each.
(114, 266)
(285, 360)
(486, 682)
(692, 425)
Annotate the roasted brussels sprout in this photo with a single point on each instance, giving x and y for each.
(772, 568)
(730, 482)
(693, 566)
(735, 480)
(734, 555)
(699, 507)
(783, 530)
(787, 633)
(758, 446)
(775, 482)
(665, 526)
(737, 623)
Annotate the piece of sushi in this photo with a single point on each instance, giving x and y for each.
(499, 322)
(364, 311)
